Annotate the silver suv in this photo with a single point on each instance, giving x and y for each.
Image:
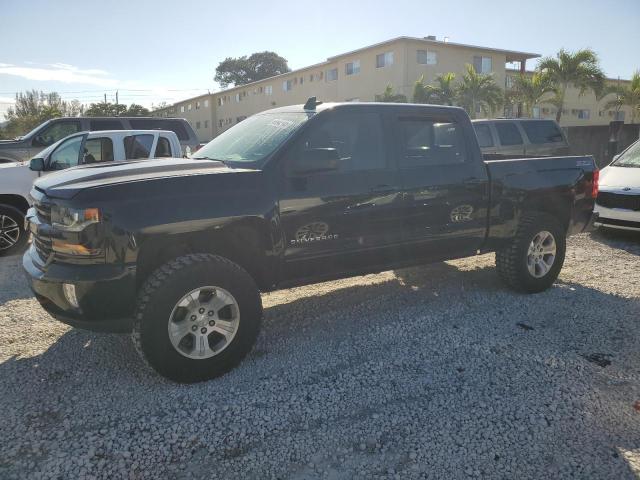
(48, 133)
(516, 137)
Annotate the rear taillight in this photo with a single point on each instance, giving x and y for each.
(595, 184)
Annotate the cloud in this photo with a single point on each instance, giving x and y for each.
(60, 72)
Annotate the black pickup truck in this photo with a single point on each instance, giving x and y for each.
(177, 250)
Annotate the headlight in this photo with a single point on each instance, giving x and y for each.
(73, 219)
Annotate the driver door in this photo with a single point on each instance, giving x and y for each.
(66, 155)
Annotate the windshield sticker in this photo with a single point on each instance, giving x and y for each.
(279, 123)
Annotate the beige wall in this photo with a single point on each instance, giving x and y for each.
(198, 111)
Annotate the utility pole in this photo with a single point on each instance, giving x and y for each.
(105, 98)
(116, 102)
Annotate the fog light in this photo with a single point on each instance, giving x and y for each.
(69, 290)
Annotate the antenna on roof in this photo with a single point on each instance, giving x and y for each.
(311, 104)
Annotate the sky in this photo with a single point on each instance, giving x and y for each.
(164, 51)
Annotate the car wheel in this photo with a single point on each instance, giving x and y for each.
(197, 317)
(13, 236)
(533, 260)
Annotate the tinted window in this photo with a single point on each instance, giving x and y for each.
(98, 150)
(357, 136)
(483, 132)
(138, 146)
(175, 126)
(66, 155)
(542, 132)
(97, 125)
(163, 148)
(57, 131)
(426, 142)
(508, 133)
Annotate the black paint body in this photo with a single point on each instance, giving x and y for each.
(290, 229)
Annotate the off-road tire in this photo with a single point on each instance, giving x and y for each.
(18, 217)
(157, 298)
(511, 261)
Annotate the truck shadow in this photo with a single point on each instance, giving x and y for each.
(620, 239)
(469, 311)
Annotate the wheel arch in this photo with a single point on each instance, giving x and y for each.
(16, 201)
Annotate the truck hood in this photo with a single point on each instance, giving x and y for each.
(67, 183)
(613, 176)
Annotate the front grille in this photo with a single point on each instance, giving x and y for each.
(42, 242)
(616, 200)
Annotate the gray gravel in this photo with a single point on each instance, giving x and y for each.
(430, 372)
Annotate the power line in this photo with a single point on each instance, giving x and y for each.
(117, 89)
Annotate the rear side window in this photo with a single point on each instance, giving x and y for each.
(508, 133)
(98, 125)
(542, 132)
(483, 132)
(163, 148)
(429, 142)
(175, 126)
(138, 146)
(98, 150)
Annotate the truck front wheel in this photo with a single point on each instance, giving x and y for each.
(533, 260)
(13, 236)
(197, 317)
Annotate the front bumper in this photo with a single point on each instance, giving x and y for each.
(619, 218)
(105, 293)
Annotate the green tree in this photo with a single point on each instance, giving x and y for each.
(625, 95)
(579, 69)
(389, 97)
(107, 109)
(530, 90)
(33, 107)
(443, 91)
(243, 70)
(478, 91)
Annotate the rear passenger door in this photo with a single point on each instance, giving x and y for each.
(545, 138)
(445, 185)
(511, 142)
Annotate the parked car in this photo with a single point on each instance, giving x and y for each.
(25, 147)
(520, 137)
(290, 196)
(16, 179)
(618, 202)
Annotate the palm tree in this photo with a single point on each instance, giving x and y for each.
(389, 97)
(478, 91)
(628, 96)
(530, 90)
(579, 69)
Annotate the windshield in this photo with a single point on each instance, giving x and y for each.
(630, 158)
(32, 132)
(253, 139)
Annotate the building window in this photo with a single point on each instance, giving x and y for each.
(268, 90)
(206, 124)
(237, 97)
(241, 118)
(427, 57)
(536, 112)
(220, 122)
(197, 125)
(584, 114)
(197, 105)
(384, 59)
(482, 64)
(311, 77)
(301, 80)
(220, 101)
(206, 104)
(189, 107)
(332, 75)
(352, 68)
(508, 82)
(287, 85)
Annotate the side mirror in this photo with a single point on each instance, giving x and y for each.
(36, 164)
(317, 160)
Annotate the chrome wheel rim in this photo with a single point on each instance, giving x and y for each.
(204, 322)
(9, 232)
(541, 254)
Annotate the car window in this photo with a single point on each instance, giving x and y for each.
(428, 142)
(542, 131)
(508, 133)
(138, 146)
(357, 137)
(98, 150)
(66, 155)
(55, 132)
(163, 148)
(630, 158)
(97, 125)
(175, 126)
(483, 132)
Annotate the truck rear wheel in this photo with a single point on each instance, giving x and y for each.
(197, 317)
(13, 236)
(533, 260)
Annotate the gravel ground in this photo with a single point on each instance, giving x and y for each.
(430, 372)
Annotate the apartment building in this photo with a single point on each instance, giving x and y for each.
(358, 75)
